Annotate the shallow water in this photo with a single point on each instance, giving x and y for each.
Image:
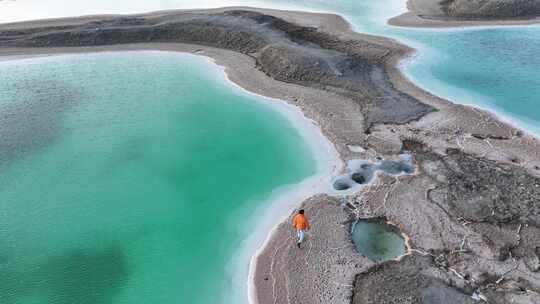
(129, 177)
(496, 69)
(361, 172)
(377, 240)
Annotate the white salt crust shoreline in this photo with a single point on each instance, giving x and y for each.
(411, 20)
(283, 200)
(481, 102)
(416, 49)
(477, 101)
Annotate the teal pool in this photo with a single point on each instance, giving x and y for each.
(377, 240)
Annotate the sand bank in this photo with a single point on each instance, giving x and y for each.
(410, 19)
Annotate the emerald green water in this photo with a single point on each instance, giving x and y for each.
(377, 240)
(128, 177)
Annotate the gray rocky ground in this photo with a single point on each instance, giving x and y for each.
(470, 211)
(444, 13)
(283, 50)
(475, 9)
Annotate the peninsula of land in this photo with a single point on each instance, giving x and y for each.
(460, 13)
(471, 210)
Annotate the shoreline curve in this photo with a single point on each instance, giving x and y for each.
(412, 20)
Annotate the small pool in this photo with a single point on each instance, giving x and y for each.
(361, 172)
(377, 240)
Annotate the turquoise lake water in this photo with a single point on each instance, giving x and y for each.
(129, 177)
(494, 68)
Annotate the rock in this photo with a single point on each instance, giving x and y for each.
(475, 9)
(504, 253)
(532, 262)
(413, 280)
(341, 184)
(358, 178)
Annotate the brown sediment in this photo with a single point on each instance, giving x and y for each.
(351, 85)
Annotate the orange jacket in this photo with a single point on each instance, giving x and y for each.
(300, 222)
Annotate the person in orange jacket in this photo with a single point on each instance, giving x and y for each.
(301, 223)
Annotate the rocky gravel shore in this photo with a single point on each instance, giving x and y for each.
(455, 13)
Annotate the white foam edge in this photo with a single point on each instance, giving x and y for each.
(283, 200)
(461, 96)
